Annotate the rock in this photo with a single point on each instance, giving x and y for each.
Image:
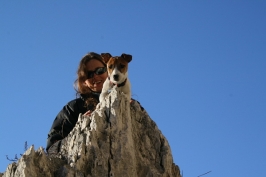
(119, 139)
(34, 163)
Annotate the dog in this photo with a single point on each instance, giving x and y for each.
(117, 68)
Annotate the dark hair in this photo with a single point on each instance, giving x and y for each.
(79, 86)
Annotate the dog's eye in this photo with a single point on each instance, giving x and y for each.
(122, 66)
(110, 66)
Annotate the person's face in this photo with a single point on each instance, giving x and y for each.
(96, 82)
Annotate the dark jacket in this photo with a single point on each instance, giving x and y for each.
(66, 119)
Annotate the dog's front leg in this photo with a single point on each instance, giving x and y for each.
(105, 89)
(126, 90)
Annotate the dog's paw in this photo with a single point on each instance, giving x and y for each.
(101, 98)
(98, 106)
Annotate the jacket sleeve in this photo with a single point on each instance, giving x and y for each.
(64, 122)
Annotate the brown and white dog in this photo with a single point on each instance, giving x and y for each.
(117, 68)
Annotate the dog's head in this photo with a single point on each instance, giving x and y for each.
(117, 67)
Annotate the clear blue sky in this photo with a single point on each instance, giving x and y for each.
(198, 68)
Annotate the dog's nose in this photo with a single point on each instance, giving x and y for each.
(116, 77)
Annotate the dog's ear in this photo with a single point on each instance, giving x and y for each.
(106, 57)
(127, 57)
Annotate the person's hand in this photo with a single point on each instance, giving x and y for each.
(88, 113)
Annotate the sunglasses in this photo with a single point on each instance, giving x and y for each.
(97, 71)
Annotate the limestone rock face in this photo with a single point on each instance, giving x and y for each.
(119, 139)
(34, 164)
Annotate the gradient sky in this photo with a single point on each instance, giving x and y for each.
(198, 68)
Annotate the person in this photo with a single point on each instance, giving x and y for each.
(91, 74)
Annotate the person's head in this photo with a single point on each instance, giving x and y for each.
(91, 74)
